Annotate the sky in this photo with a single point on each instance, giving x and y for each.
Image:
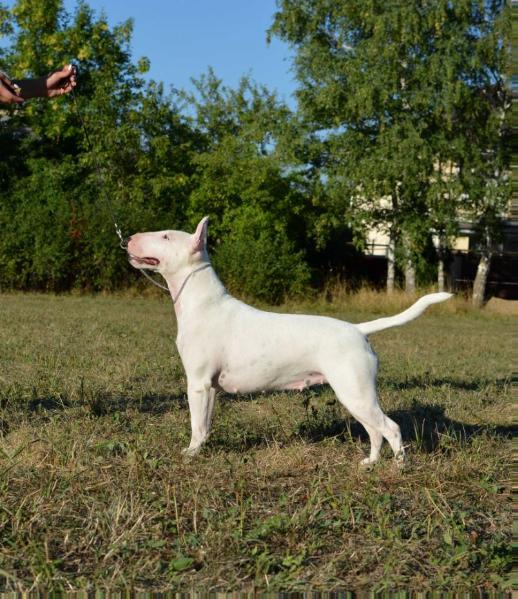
(182, 38)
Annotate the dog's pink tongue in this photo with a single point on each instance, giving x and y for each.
(152, 261)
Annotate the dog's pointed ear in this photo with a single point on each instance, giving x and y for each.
(199, 237)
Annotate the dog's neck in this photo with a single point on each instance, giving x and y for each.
(190, 290)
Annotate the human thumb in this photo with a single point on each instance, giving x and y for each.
(56, 76)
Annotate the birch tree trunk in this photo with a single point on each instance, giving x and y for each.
(409, 276)
(479, 284)
(440, 262)
(391, 265)
(409, 264)
(440, 274)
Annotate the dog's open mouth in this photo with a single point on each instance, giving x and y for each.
(136, 260)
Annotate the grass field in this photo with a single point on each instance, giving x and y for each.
(94, 492)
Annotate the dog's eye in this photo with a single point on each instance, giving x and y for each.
(166, 236)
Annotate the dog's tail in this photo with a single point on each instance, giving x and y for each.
(415, 310)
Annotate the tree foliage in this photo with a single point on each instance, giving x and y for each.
(400, 92)
(401, 124)
(163, 161)
(54, 184)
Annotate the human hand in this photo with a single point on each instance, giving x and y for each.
(61, 81)
(9, 90)
(57, 83)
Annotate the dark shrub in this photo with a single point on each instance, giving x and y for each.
(257, 258)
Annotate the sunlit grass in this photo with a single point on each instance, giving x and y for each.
(93, 490)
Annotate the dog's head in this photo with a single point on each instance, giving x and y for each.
(169, 252)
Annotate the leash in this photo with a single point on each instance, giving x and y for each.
(100, 171)
(150, 278)
(202, 267)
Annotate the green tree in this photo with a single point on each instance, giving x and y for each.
(141, 155)
(396, 90)
(243, 182)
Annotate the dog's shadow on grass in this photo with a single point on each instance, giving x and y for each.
(150, 403)
(425, 426)
(102, 403)
(98, 404)
(426, 381)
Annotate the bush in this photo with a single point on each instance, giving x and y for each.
(36, 242)
(257, 258)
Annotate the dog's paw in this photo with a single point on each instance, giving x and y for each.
(190, 452)
(367, 463)
(401, 460)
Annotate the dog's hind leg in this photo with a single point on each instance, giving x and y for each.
(355, 388)
(376, 440)
(201, 404)
(384, 427)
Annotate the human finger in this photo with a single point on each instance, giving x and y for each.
(11, 86)
(7, 96)
(66, 73)
(66, 88)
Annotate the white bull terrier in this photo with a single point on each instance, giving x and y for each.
(226, 344)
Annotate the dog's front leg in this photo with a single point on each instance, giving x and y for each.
(210, 411)
(201, 404)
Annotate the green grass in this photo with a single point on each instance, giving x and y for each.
(94, 492)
